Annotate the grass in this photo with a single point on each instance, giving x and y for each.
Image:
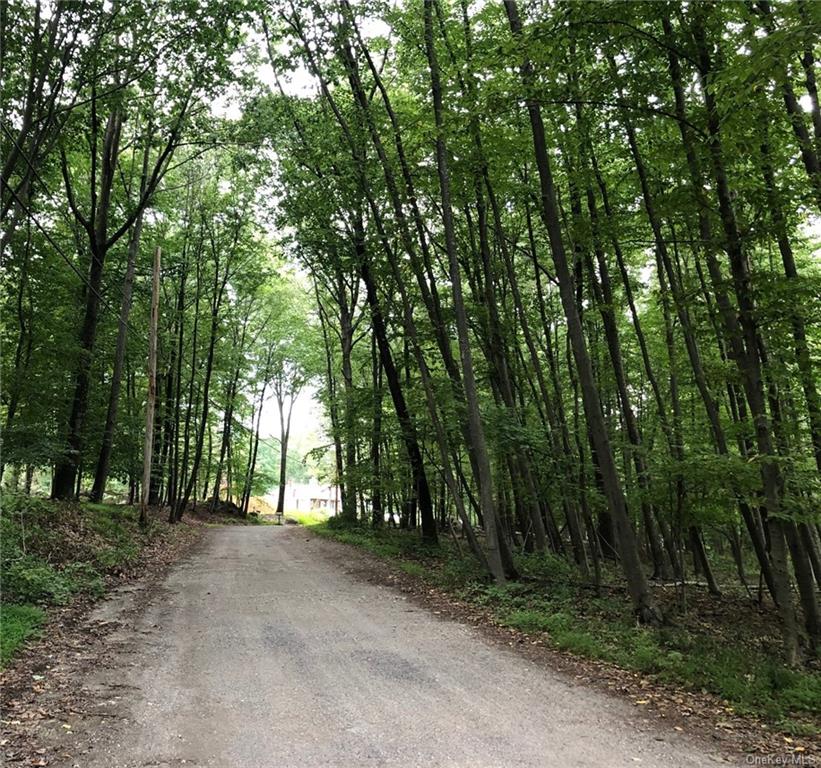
(311, 518)
(750, 682)
(693, 654)
(52, 553)
(17, 624)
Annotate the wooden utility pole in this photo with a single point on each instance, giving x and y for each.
(148, 446)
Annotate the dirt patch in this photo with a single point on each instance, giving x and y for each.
(701, 715)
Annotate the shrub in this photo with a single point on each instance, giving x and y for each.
(414, 569)
(121, 554)
(459, 572)
(28, 580)
(84, 577)
(546, 567)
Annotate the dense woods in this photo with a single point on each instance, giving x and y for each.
(553, 267)
(111, 153)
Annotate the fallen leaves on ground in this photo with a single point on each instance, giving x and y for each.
(39, 692)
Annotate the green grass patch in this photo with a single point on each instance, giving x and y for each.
(311, 518)
(749, 680)
(547, 603)
(17, 624)
(387, 543)
(414, 569)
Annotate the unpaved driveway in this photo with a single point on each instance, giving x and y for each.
(260, 651)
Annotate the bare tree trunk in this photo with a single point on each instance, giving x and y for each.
(285, 436)
(377, 513)
(104, 460)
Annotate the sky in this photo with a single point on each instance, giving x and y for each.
(307, 419)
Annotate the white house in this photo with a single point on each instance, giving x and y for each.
(304, 497)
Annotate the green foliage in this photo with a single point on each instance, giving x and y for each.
(414, 569)
(52, 553)
(85, 578)
(750, 681)
(546, 567)
(17, 624)
(267, 222)
(35, 565)
(31, 580)
(566, 633)
(311, 518)
(458, 572)
(121, 546)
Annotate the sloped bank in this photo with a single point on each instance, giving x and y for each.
(56, 561)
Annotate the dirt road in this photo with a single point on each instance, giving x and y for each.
(260, 651)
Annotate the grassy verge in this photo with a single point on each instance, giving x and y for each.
(51, 554)
(696, 653)
(311, 518)
(17, 624)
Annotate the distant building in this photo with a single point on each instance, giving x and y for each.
(304, 497)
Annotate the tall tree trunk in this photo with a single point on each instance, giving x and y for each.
(643, 601)
(65, 472)
(807, 149)
(726, 312)
(25, 338)
(377, 513)
(104, 460)
(749, 362)
(802, 352)
(409, 434)
(148, 453)
(285, 436)
(349, 412)
(474, 420)
(220, 282)
(174, 435)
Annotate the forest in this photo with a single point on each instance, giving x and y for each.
(551, 269)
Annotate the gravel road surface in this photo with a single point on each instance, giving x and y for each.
(259, 650)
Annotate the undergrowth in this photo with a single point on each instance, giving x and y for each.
(18, 622)
(548, 602)
(52, 553)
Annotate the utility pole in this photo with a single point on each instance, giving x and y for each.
(148, 445)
